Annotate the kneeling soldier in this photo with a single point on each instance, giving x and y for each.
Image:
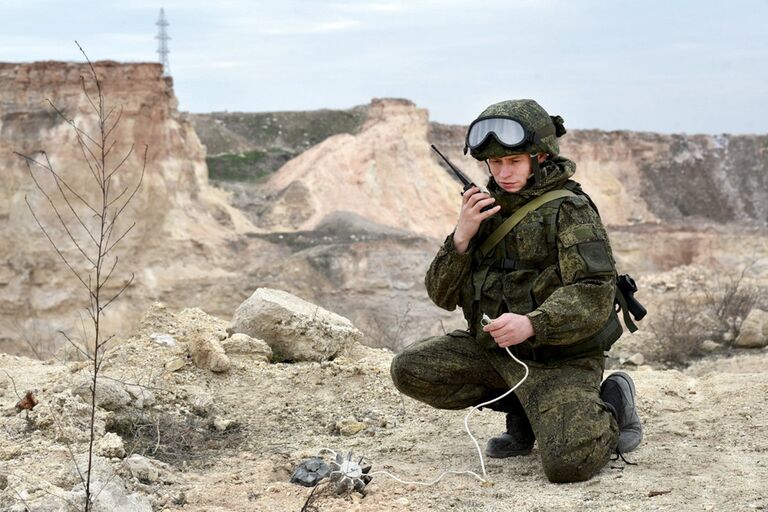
(549, 284)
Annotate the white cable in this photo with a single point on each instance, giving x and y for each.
(474, 408)
(466, 427)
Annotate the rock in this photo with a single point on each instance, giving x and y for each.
(709, 346)
(295, 329)
(163, 339)
(3, 482)
(78, 365)
(754, 330)
(175, 364)
(110, 395)
(636, 359)
(142, 468)
(350, 426)
(141, 397)
(111, 446)
(240, 343)
(111, 497)
(221, 424)
(149, 471)
(203, 405)
(207, 353)
(10, 452)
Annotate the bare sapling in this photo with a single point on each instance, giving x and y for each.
(90, 217)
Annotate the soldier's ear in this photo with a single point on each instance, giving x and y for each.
(542, 157)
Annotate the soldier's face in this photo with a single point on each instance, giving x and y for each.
(511, 172)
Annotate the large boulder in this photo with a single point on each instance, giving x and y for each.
(754, 330)
(295, 329)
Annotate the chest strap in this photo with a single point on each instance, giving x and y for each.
(514, 219)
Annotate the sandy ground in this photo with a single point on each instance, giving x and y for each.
(704, 449)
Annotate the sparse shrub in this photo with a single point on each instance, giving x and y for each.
(174, 438)
(731, 299)
(388, 330)
(714, 311)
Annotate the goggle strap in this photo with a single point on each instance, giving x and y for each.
(545, 131)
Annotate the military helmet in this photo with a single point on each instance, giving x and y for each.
(513, 127)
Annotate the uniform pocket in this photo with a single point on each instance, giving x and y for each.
(517, 291)
(531, 239)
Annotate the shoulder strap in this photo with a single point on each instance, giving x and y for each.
(500, 232)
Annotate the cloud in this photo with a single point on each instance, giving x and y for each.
(393, 6)
(295, 27)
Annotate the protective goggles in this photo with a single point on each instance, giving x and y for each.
(507, 131)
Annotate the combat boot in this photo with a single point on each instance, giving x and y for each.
(517, 440)
(618, 393)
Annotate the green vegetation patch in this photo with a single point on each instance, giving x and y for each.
(248, 166)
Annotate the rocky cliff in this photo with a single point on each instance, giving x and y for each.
(678, 178)
(180, 221)
(384, 173)
(636, 177)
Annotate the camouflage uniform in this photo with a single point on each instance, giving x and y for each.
(557, 268)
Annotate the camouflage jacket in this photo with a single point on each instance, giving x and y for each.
(555, 266)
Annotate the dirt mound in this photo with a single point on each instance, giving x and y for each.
(350, 223)
(228, 442)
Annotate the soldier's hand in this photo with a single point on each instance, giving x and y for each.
(510, 329)
(470, 216)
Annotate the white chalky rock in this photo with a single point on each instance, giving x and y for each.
(710, 346)
(754, 330)
(149, 470)
(243, 344)
(110, 394)
(208, 354)
(295, 329)
(111, 445)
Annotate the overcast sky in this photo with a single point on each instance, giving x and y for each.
(651, 65)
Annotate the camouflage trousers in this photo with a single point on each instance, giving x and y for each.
(575, 431)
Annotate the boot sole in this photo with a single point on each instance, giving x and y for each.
(506, 455)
